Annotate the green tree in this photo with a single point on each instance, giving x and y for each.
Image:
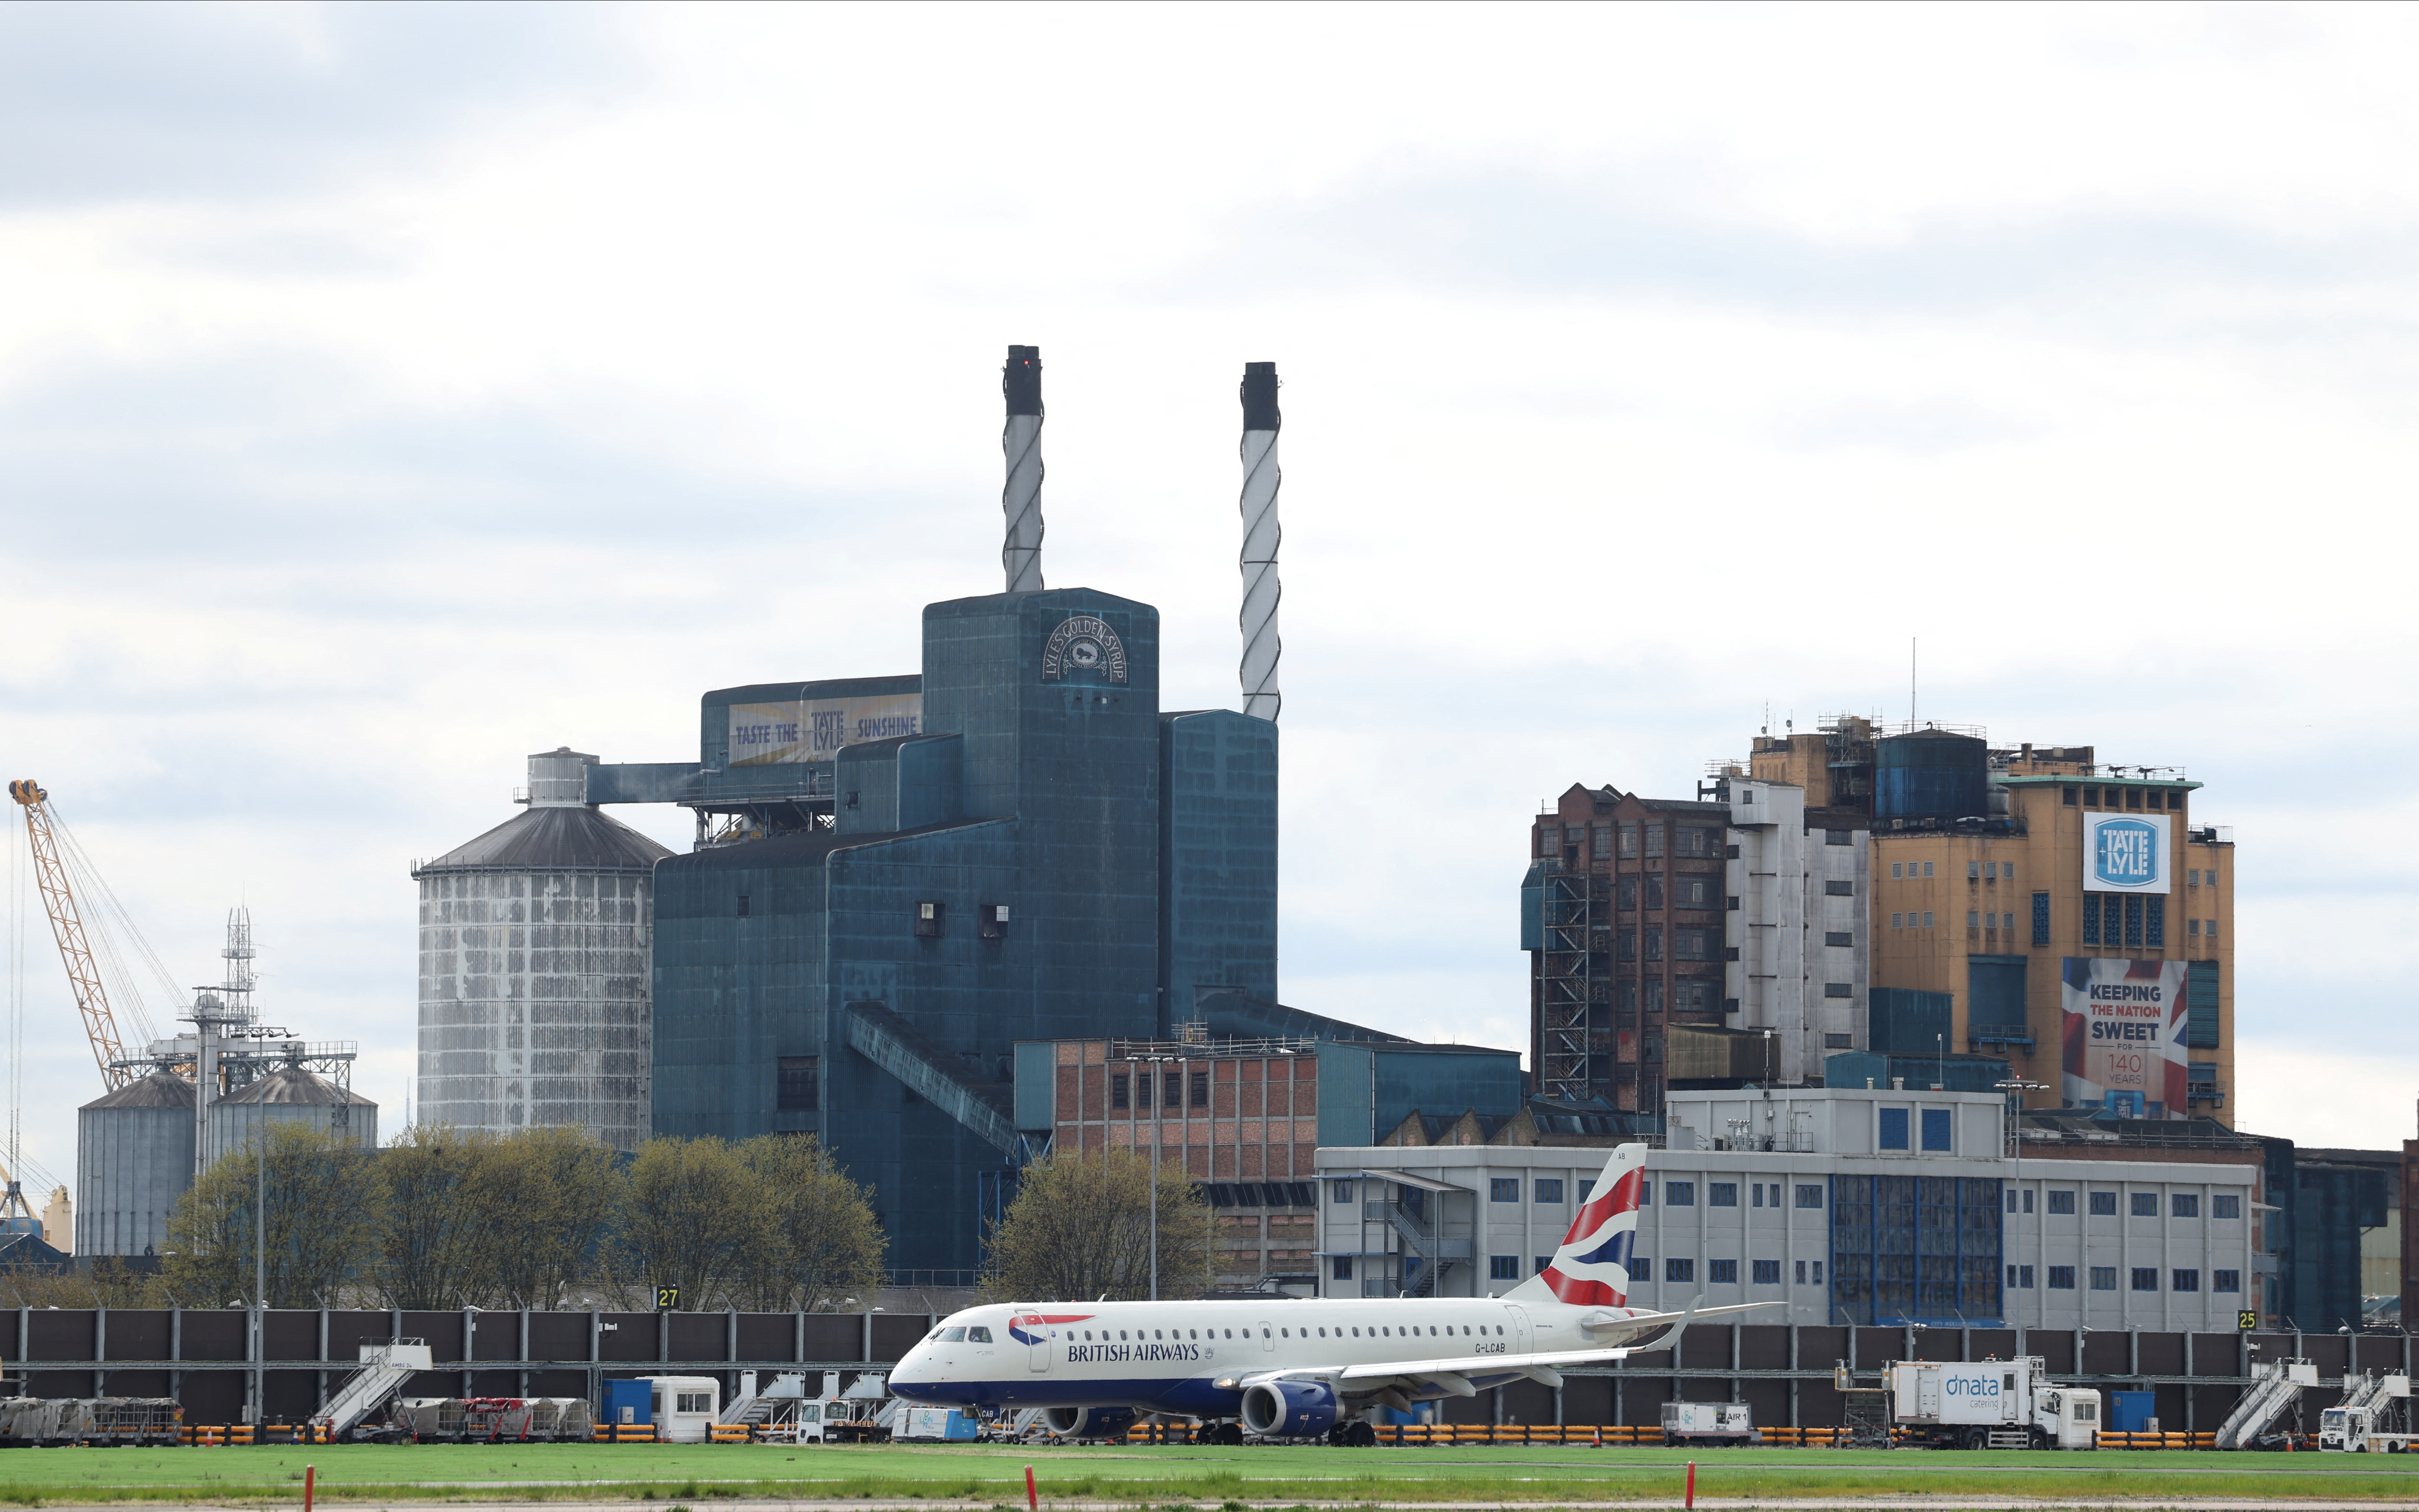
(823, 1247)
(326, 1210)
(1080, 1229)
(545, 1197)
(693, 1215)
(432, 1247)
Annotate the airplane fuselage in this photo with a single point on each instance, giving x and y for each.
(1189, 1356)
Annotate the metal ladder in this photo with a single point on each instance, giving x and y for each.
(383, 1370)
(2274, 1393)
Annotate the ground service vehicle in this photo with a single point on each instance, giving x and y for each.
(1990, 1404)
(2373, 1417)
(1715, 1423)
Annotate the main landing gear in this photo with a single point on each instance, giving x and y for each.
(1224, 1434)
(1354, 1435)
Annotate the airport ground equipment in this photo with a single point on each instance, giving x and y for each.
(1990, 1404)
(2373, 1417)
(2275, 1387)
(1710, 1423)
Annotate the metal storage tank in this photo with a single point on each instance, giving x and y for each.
(1932, 773)
(134, 1157)
(536, 946)
(289, 1094)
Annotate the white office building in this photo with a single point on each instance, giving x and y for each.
(1796, 941)
(1883, 1206)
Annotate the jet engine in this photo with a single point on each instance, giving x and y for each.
(1289, 1409)
(1088, 1422)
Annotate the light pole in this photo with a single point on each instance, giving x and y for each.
(1157, 1097)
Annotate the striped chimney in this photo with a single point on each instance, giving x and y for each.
(1020, 500)
(1262, 476)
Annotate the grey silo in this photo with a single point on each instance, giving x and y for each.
(535, 967)
(289, 1094)
(134, 1157)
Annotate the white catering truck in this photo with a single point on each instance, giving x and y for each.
(1716, 1422)
(1990, 1404)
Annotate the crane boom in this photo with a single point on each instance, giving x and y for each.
(67, 928)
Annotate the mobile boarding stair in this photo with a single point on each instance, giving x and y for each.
(2275, 1388)
(383, 1370)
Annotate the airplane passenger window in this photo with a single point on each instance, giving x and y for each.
(1122, 1333)
(1230, 1332)
(1156, 1334)
(1196, 1333)
(1323, 1333)
(1431, 1330)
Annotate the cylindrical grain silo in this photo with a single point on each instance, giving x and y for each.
(289, 1094)
(134, 1157)
(534, 969)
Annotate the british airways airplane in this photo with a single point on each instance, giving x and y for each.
(1308, 1367)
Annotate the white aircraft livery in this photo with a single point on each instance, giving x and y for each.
(1296, 1369)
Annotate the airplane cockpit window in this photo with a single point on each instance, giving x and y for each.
(953, 1335)
(977, 1335)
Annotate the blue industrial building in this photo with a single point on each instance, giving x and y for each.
(899, 878)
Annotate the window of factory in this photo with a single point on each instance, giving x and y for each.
(1550, 839)
(1200, 1098)
(2028, 1199)
(1768, 1273)
(1655, 997)
(1692, 997)
(1838, 988)
(2225, 1281)
(1801, 1272)
(1895, 918)
(1973, 919)
(1503, 1268)
(1341, 1268)
(1694, 944)
(1173, 1091)
(743, 905)
(1696, 892)
(2208, 929)
(2146, 1204)
(1142, 1089)
(1628, 839)
(2192, 877)
(2134, 798)
(1927, 869)
(2040, 918)
(2186, 1281)
(1653, 840)
(1973, 870)
(1838, 1042)
(1839, 890)
(1838, 837)
(2209, 876)
(2225, 1205)
(1654, 945)
(1118, 1096)
(2061, 1278)
(800, 1089)
(2007, 871)
(1894, 1129)
(1682, 1194)
(1898, 869)
(1600, 843)
(1340, 1191)
(1680, 1271)
(2176, 798)
(1838, 937)
(2062, 1201)
(1721, 1193)
(1503, 1189)
(1653, 892)
(1990, 870)
(1722, 1273)
(2192, 929)
(2103, 1204)
(1625, 892)
(2103, 1278)
(1696, 841)
(2145, 1278)
(1810, 1195)
(1629, 945)
(2067, 797)
(1550, 1189)
(929, 917)
(2091, 797)
(1935, 1129)
(1653, 1047)
(2133, 920)
(2091, 921)
(2154, 921)
(1927, 919)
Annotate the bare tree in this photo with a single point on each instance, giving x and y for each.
(1080, 1229)
(324, 1212)
(692, 1215)
(545, 1197)
(823, 1247)
(433, 1247)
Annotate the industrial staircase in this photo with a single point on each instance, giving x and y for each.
(2275, 1387)
(383, 1370)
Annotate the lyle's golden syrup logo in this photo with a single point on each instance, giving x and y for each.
(1084, 643)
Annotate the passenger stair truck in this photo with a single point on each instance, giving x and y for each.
(2373, 1417)
(383, 1370)
(1990, 1404)
(2275, 1387)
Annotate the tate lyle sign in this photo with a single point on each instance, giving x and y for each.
(2125, 852)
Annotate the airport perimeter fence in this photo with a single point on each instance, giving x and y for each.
(218, 1361)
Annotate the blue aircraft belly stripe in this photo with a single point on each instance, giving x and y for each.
(1193, 1395)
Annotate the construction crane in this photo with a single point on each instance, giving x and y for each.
(67, 928)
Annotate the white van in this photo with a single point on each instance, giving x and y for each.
(685, 1407)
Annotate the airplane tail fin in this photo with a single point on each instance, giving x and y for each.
(1592, 1267)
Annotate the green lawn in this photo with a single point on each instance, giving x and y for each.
(989, 1474)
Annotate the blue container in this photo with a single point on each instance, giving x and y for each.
(1932, 773)
(2130, 1411)
(629, 1403)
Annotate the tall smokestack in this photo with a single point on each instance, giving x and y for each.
(1020, 380)
(1262, 476)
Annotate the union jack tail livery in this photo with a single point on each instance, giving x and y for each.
(1592, 1269)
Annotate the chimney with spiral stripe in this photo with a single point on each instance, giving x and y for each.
(1021, 499)
(1262, 476)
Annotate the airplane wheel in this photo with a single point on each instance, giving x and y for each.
(1360, 1436)
(1229, 1434)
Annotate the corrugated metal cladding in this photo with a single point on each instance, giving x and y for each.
(134, 1157)
(288, 1095)
(534, 947)
(1036, 786)
(1932, 773)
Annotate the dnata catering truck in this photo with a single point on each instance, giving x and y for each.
(1990, 1404)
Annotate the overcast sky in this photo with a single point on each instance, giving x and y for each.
(389, 392)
